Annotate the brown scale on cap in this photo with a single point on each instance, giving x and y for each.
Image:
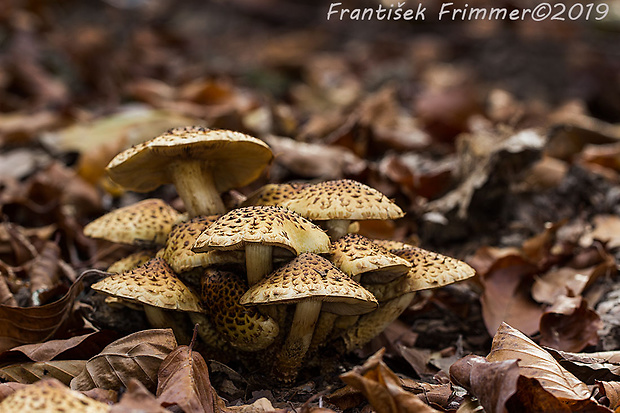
(131, 261)
(391, 245)
(258, 229)
(358, 257)
(336, 202)
(146, 224)
(200, 162)
(244, 327)
(49, 395)
(153, 283)
(178, 251)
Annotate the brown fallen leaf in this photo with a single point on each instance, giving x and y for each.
(9, 388)
(610, 390)
(536, 363)
(606, 229)
(183, 381)
(589, 367)
(35, 324)
(26, 373)
(44, 272)
(137, 399)
(569, 325)
(137, 355)
(382, 388)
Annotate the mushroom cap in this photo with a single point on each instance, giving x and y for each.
(235, 159)
(429, 270)
(312, 277)
(357, 255)
(391, 245)
(340, 199)
(244, 327)
(153, 283)
(145, 223)
(178, 251)
(268, 225)
(131, 261)
(50, 395)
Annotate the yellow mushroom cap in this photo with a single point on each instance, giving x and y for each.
(357, 255)
(145, 223)
(429, 270)
(49, 395)
(312, 277)
(153, 283)
(131, 261)
(340, 199)
(268, 225)
(178, 251)
(244, 327)
(234, 159)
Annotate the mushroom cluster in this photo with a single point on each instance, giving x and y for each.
(275, 279)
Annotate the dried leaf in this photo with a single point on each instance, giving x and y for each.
(589, 367)
(560, 282)
(137, 355)
(606, 229)
(382, 388)
(610, 390)
(9, 388)
(26, 373)
(35, 324)
(137, 399)
(43, 272)
(534, 362)
(183, 381)
(569, 325)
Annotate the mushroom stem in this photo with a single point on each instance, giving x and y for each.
(298, 341)
(324, 326)
(258, 261)
(159, 318)
(337, 228)
(370, 325)
(194, 184)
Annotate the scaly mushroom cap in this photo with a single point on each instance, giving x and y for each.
(235, 159)
(357, 255)
(244, 327)
(178, 251)
(310, 276)
(268, 225)
(131, 261)
(429, 270)
(146, 224)
(153, 283)
(341, 199)
(49, 395)
(391, 245)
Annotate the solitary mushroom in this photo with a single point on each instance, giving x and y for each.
(336, 203)
(310, 282)
(157, 288)
(200, 162)
(145, 224)
(244, 327)
(258, 229)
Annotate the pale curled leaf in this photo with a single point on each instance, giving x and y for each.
(137, 355)
(137, 399)
(183, 380)
(26, 373)
(534, 362)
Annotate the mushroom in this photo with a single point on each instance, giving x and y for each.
(200, 162)
(335, 202)
(244, 327)
(360, 259)
(50, 395)
(429, 270)
(178, 250)
(258, 229)
(157, 288)
(311, 283)
(131, 261)
(145, 224)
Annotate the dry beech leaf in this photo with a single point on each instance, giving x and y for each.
(261, 405)
(606, 229)
(611, 390)
(560, 282)
(43, 272)
(77, 347)
(35, 324)
(183, 381)
(569, 325)
(589, 367)
(137, 355)
(534, 362)
(137, 399)
(382, 388)
(26, 373)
